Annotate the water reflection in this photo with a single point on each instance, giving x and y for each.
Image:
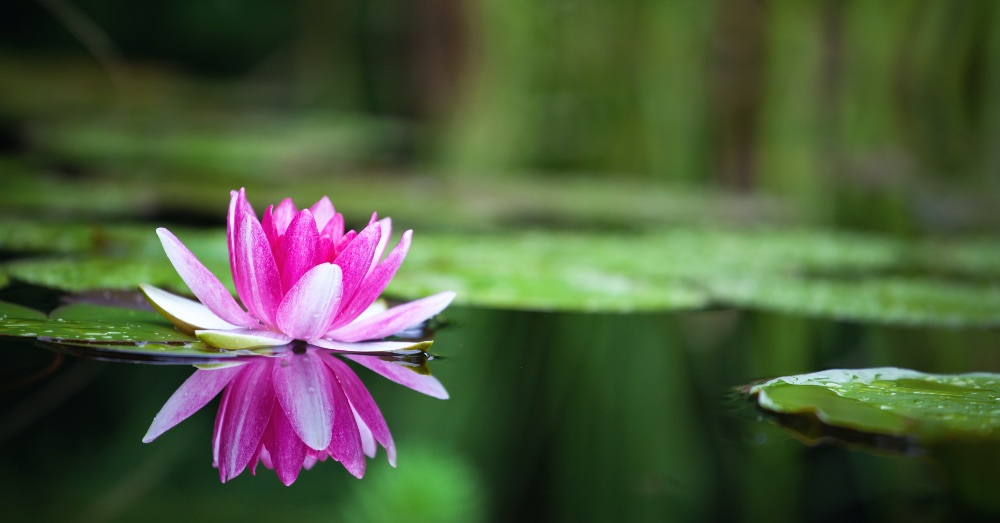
(292, 410)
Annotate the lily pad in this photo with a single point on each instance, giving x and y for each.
(816, 273)
(13, 310)
(930, 408)
(101, 325)
(877, 299)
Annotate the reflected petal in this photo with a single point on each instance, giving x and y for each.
(286, 452)
(363, 403)
(191, 396)
(346, 446)
(405, 376)
(248, 408)
(304, 390)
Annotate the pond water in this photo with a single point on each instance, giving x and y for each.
(552, 416)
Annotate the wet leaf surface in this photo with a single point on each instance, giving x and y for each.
(888, 401)
(801, 272)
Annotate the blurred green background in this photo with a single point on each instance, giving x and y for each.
(708, 119)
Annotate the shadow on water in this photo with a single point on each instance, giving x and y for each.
(552, 416)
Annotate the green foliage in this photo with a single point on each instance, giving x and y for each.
(429, 485)
(876, 299)
(891, 401)
(802, 272)
(13, 310)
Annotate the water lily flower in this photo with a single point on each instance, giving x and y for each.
(289, 412)
(300, 277)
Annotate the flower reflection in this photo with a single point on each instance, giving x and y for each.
(290, 411)
(300, 277)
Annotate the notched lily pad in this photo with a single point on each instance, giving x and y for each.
(898, 403)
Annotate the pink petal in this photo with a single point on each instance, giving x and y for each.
(363, 404)
(287, 452)
(202, 282)
(263, 456)
(270, 229)
(187, 315)
(371, 346)
(250, 398)
(190, 397)
(305, 392)
(342, 243)
(283, 215)
(308, 308)
(374, 283)
(367, 440)
(236, 205)
(299, 249)
(346, 446)
(356, 257)
(386, 225)
(323, 211)
(334, 229)
(258, 285)
(426, 384)
(260, 455)
(394, 320)
(217, 429)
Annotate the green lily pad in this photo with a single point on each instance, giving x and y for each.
(816, 273)
(116, 326)
(889, 401)
(13, 310)
(878, 299)
(108, 333)
(77, 275)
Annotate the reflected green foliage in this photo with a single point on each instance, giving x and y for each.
(438, 486)
(891, 401)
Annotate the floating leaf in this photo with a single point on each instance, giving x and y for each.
(90, 323)
(816, 273)
(105, 273)
(13, 310)
(891, 401)
(877, 299)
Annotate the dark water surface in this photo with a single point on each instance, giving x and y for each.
(552, 417)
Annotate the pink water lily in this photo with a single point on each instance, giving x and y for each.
(291, 411)
(300, 277)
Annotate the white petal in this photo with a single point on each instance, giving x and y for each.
(242, 339)
(372, 346)
(187, 315)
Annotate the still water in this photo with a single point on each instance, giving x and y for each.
(552, 417)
